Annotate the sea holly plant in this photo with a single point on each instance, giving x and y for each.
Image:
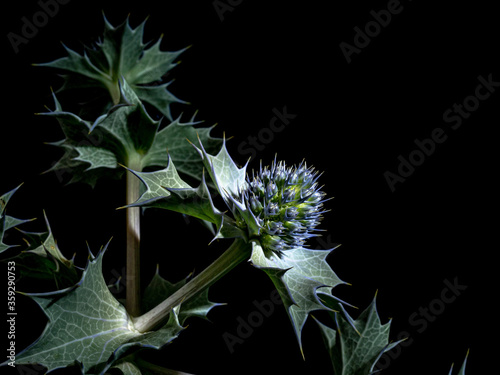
(125, 133)
(267, 217)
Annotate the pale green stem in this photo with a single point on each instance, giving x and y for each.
(133, 219)
(114, 92)
(238, 252)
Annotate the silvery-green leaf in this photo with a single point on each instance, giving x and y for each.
(96, 157)
(173, 142)
(7, 222)
(357, 345)
(165, 189)
(298, 276)
(43, 260)
(159, 289)
(127, 136)
(87, 325)
(229, 179)
(121, 54)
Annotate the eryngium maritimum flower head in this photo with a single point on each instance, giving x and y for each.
(287, 204)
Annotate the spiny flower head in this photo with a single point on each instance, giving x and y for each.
(287, 204)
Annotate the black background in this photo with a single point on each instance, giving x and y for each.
(353, 121)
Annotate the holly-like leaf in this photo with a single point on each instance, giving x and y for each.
(82, 150)
(159, 289)
(298, 275)
(297, 272)
(43, 260)
(127, 136)
(121, 54)
(96, 157)
(7, 222)
(88, 326)
(357, 345)
(167, 190)
(229, 179)
(173, 142)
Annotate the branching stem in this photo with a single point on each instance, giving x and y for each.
(238, 252)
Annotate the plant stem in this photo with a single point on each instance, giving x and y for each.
(234, 255)
(114, 92)
(133, 219)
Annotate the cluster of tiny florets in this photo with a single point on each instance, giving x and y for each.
(287, 203)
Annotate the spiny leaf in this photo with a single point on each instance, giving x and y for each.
(7, 222)
(159, 289)
(165, 189)
(298, 273)
(130, 126)
(229, 179)
(96, 157)
(358, 344)
(43, 260)
(88, 325)
(121, 54)
(127, 136)
(77, 137)
(298, 276)
(172, 142)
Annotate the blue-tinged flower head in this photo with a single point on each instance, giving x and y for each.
(287, 203)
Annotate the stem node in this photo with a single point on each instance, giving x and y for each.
(239, 251)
